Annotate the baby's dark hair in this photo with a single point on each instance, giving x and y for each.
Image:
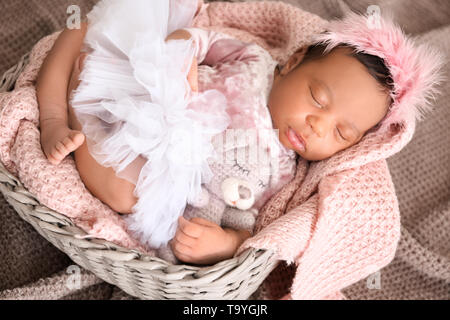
(374, 64)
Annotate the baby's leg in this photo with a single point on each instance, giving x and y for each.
(61, 133)
(51, 91)
(102, 182)
(57, 139)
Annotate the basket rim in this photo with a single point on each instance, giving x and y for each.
(65, 226)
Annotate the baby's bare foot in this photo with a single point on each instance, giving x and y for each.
(58, 140)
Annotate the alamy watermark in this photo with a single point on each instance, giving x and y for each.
(374, 17)
(373, 281)
(74, 19)
(73, 282)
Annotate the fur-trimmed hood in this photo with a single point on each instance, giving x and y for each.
(416, 74)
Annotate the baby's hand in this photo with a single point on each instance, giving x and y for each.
(200, 241)
(192, 76)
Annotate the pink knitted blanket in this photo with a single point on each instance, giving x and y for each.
(335, 223)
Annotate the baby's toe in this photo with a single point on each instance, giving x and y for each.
(68, 143)
(53, 160)
(73, 141)
(59, 153)
(77, 138)
(56, 156)
(61, 148)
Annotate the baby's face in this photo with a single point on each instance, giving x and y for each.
(331, 103)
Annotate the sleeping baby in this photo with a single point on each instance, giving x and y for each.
(114, 92)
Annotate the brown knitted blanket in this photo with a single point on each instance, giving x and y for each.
(31, 268)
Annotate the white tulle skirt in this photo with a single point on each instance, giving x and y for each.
(139, 114)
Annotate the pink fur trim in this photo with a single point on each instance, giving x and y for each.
(415, 69)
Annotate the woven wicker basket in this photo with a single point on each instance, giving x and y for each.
(137, 274)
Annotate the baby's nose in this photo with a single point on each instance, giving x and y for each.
(320, 125)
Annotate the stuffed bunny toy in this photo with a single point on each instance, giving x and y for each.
(232, 198)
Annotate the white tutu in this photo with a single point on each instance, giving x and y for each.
(139, 114)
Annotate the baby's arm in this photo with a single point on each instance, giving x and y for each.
(202, 40)
(209, 47)
(57, 139)
(214, 48)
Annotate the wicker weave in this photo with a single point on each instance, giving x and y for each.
(137, 274)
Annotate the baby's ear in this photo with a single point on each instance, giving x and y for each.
(294, 60)
(301, 52)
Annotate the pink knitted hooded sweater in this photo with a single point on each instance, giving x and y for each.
(338, 220)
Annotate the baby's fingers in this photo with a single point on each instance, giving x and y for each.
(189, 228)
(183, 238)
(181, 251)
